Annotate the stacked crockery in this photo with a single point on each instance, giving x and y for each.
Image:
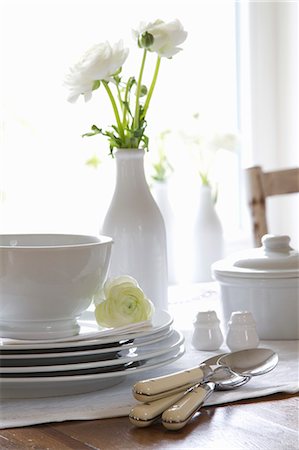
(50, 342)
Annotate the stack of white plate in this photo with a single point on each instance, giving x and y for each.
(90, 361)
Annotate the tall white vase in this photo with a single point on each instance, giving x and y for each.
(208, 244)
(135, 223)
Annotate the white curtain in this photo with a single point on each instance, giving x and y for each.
(269, 100)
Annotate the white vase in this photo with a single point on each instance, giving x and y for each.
(135, 223)
(160, 191)
(208, 244)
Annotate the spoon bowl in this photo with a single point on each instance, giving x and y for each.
(225, 379)
(250, 362)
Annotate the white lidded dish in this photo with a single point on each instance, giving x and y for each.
(264, 281)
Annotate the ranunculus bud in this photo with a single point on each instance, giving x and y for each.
(143, 90)
(96, 84)
(146, 40)
(161, 37)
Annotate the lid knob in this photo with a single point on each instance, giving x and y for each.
(272, 243)
(206, 317)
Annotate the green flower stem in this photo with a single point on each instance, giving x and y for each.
(138, 90)
(119, 96)
(204, 178)
(152, 86)
(125, 109)
(116, 113)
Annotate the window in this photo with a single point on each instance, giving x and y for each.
(45, 182)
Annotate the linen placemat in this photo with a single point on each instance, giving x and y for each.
(118, 400)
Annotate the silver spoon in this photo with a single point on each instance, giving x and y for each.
(175, 387)
(162, 392)
(246, 363)
(250, 362)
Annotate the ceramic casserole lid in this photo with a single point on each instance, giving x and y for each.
(275, 259)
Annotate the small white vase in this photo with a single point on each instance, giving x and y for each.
(136, 225)
(160, 191)
(208, 244)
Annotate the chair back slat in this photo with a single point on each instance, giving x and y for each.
(281, 182)
(261, 185)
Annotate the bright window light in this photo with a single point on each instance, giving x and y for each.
(46, 185)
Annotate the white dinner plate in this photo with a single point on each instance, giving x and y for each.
(90, 335)
(127, 357)
(37, 387)
(72, 357)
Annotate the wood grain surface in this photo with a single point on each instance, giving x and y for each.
(269, 423)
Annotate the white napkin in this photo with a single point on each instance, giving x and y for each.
(118, 400)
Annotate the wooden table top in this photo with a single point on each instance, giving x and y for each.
(266, 423)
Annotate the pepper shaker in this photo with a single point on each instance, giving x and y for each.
(242, 332)
(207, 334)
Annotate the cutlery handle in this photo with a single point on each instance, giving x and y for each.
(176, 380)
(179, 414)
(152, 398)
(144, 414)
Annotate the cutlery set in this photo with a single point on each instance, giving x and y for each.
(175, 398)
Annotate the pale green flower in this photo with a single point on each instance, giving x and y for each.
(123, 303)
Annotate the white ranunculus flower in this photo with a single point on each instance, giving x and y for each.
(167, 36)
(129, 99)
(98, 63)
(124, 303)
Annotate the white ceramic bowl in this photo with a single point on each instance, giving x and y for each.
(264, 281)
(47, 281)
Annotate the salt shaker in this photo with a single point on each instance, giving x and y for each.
(207, 334)
(242, 332)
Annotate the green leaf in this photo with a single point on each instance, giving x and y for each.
(94, 161)
(115, 128)
(95, 130)
(138, 133)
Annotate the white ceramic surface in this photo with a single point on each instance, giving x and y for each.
(207, 238)
(47, 281)
(265, 282)
(136, 225)
(242, 332)
(135, 355)
(160, 191)
(35, 387)
(207, 334)
(78, 356)
(161, 322)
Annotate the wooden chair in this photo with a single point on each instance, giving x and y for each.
(261, 185)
